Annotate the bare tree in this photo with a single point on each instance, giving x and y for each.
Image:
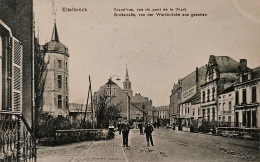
(106, 111)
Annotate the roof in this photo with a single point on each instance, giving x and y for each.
(110, 82)
(256, 72)
(227, 90)
(227, 64)
(55, 45)
(162, 107)
(194, 99)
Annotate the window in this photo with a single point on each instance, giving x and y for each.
(237, 98)
(229, 119)
(253, 118)
(114, 92)
(219, 107)
(208, 95)
(244, 77)
(66, 65)
(203, 97)
(223, 119)
(66, 83)
(244, 118)
(208, 114)
(199, 111)
(193, 112)
(59, 81)
(213, 94)
(229, 105)
(59, 63)
(224, 106)
(59, 101)
(67, 102)
(213, 114)
(253, 94)
(244, 96)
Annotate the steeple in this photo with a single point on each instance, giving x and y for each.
(127, 84)
(126, 76)
(55, 36)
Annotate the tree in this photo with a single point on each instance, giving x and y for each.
(40, 74)
(106, 111)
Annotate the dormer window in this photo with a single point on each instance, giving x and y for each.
(244, 77)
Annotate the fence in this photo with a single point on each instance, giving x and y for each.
(16, 140)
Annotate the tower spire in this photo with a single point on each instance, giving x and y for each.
(55, 36)
(126, 76)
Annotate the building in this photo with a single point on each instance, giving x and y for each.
(221, 74)
(56, 93)
(134, 108)
(144, 106)
(16, 83)
(190, 105)
(226, 112)
(247, 100)
(175, 100)
(163, 112)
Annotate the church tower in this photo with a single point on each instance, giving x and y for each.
(56, 93)
(127, 85)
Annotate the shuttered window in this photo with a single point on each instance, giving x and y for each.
(16, 75)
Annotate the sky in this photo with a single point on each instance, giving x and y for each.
(157, 50)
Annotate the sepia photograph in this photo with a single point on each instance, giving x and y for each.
(127, 81)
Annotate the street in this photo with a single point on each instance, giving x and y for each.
(170, 145)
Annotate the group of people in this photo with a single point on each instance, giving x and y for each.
(125, 128)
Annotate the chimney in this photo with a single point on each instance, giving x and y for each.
(197, 74)
(243, 65)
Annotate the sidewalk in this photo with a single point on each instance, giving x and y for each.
(110, 150)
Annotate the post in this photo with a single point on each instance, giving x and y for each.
(19, 156)
(128, 107)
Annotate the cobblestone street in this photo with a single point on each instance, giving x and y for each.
(169, 146)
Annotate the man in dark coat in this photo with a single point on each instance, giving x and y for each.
(148, 131)
(125, 127)
(140, 126)
(119, 127)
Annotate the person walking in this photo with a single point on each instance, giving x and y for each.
(140, 126)
(148, 132)
(125, 127)
(119, 127)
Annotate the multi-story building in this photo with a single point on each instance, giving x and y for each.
(175, 100)
(189, 107)
(221, 74)
(247, 100)
(226, 102)
(136, 108)
(56, 93)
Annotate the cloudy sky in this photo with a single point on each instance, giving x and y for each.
(157, 50)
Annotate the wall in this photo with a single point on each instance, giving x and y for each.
(18, 16)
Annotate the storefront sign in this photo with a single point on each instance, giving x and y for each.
(188, 93)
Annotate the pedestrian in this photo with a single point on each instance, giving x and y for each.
(125, 127)
(148, 132)
(158, 125)
(119, 127)
(140, 126)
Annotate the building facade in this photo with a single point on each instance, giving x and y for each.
(221, 74)
(226, 111)
(56, 93)
(247, 99)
